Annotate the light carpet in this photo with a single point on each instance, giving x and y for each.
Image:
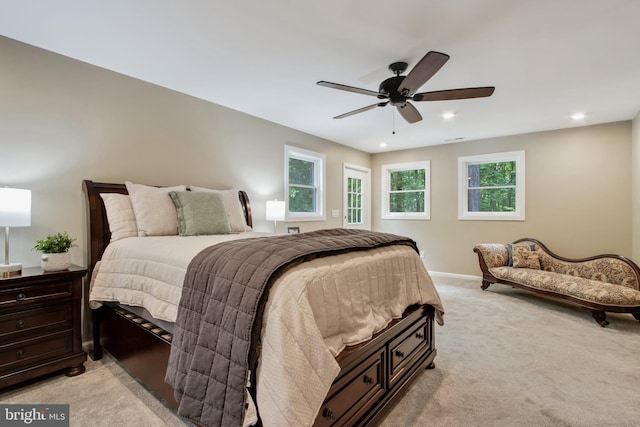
(506, 357)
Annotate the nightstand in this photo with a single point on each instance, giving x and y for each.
(40, 324)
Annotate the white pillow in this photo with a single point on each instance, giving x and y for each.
(232, 205)
(122, 220)
(155, 212)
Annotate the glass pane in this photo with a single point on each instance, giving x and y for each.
(408, 180)
(301, 172)
(406, 202)
(354, 216)
(354, 200)
(302, 199)
(492, 200)
(492, 174)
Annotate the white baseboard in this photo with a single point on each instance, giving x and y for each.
(454, 276)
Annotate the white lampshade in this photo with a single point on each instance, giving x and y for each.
(15, 207)
(15, 211)
(275, 210)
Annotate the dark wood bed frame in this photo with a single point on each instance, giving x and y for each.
(373, 374)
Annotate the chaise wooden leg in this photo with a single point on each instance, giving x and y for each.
(599, 316)
(485, 285)
(636, 315)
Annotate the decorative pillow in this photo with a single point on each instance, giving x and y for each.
(510, 252)
(200, 213)
(232, 206)
(155, 212)
(524, 257)
(122, 220)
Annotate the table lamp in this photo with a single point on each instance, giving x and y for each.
(275, 212)
(15, 211)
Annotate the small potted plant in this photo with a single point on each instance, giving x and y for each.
(55, 251)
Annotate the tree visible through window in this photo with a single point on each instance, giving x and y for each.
(304, 182)
(406, 190)
(302, 189)
(491, 186)
(354, 201)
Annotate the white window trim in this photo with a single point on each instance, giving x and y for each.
(386, 183)
(320, 161)
(463, 179)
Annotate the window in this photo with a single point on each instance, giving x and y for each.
(491, 186)
(405, 190)
(304, 184)
(354, 201)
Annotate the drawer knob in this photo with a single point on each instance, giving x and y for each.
(367, 379)
(420, 336)
(20, 297)
(20, 353)
(399, 353)
(20, 324)
(329, 414)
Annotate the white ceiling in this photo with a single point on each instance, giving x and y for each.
(547, 59)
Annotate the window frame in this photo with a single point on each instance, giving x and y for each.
(319, 174)
(386, 190)
(463, 186)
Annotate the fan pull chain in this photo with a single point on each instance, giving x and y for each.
(393, 120)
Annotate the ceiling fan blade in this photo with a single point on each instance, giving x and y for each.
(447, 95)
(347, 88)
(409, 112)
(361, 110)
(423, 71)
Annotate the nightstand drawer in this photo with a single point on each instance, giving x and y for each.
(36, 321)
(19, 296)
(28, 352)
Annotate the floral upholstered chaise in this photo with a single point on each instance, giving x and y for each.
(598, 284)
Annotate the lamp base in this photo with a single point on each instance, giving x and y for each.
(11, 269)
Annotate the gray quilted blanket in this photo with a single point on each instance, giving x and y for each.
(215, 338)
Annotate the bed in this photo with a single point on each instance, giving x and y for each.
(369, 375)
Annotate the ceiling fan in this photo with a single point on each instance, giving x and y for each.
(398, 90)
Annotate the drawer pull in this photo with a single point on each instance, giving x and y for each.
(399, 353)
(20, 324)
(20, 297)
(419, 336)
(329, 414)
(20, 353)
(367, 379)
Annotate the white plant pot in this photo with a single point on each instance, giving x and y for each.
(55, 262)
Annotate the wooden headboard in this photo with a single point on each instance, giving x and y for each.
(98, 234)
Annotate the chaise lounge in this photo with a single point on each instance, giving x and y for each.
(599, 284)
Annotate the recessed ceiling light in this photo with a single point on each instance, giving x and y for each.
(383, 144)
(448, 115)
(578, 116)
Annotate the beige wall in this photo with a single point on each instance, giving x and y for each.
(62, 121)
(635, 187)
(578, 187)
